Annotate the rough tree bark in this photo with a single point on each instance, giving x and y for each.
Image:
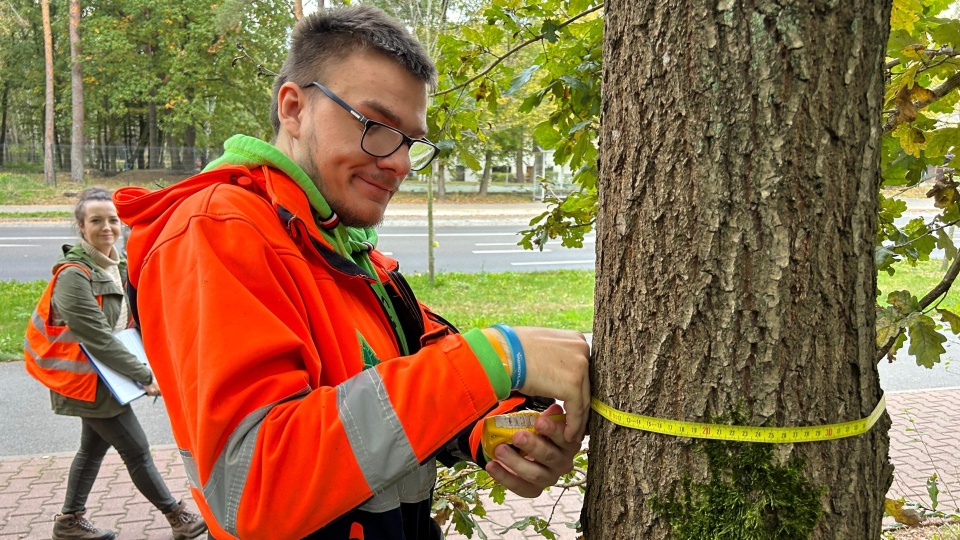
(76, 90)
(738, 176)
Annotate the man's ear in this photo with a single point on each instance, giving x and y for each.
(291, 108)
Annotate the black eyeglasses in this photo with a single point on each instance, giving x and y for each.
(381, 140)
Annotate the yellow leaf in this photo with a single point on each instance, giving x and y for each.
(914, 52)
(905, 14)
(895, 509)
(921, 95)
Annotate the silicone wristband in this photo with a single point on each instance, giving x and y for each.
(505, 358)
(519, 375)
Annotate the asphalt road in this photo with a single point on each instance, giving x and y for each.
(27, 251)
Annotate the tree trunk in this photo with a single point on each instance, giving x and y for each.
(487, 171)
(519, 164)
(49, 175)
(174, 151)
(441, 180)
(738, 183)
(155, 161)
(76, 90)
(141, 142)
(189, 162)
(298, 9)
(3, 121)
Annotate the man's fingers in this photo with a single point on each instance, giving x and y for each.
(512, 482)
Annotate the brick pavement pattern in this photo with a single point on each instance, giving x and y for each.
(923, 441)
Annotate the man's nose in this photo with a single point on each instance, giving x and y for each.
(398, 162)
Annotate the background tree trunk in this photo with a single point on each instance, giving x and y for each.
(3, 121)
(154, 135)
(441, 180)
(518, 162)
(49, 175)
(487, 171)
(737, 217)
(76, 90)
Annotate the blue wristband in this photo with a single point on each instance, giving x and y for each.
(519, 362)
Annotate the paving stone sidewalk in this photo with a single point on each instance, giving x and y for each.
(924, 441)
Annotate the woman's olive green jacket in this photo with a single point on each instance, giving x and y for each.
(74, 303)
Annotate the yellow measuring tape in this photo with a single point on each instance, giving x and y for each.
(721, 432)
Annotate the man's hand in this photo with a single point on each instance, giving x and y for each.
(558, 367)
(549, 456)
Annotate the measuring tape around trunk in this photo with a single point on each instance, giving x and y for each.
(754, 434)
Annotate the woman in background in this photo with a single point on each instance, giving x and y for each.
(85, 303)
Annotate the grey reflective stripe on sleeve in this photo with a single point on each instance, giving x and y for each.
(224, 488)
(412, 488)
(65, 337)
(60, 364)
(376, 436)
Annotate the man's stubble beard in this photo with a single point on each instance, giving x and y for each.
(308, 166)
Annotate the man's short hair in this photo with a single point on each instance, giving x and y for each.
(326, 36)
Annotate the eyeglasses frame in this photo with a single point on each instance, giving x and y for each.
(405, 139)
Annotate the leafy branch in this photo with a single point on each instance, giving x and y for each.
(514, 50)
(906, 111)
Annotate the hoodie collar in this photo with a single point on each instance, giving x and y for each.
(251, 152)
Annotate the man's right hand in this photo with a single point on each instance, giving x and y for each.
(558, 367)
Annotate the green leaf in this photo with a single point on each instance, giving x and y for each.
(945, 242)
(498, 493)
(888, 324)
(549, 30)
(470, 161)
(903, 301)
(579, 6)
(942, 141)
(522, 79)
(925, 342)
(933, 489)
(546, 134)
(950, 318)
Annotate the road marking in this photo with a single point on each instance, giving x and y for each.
(584, 261)
(491, 244)
(38, 238)
(494, 251)
(19, 245)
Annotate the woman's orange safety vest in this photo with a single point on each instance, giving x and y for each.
(52, 354)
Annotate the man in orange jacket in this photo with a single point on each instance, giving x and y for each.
(309, 391)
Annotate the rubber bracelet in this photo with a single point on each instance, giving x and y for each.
(505, 359)
(519, 375)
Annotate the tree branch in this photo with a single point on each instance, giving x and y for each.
(513, 51)
(941, 289)
(942, 51)
(951, 84)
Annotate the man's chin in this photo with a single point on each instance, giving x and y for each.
(356, 218)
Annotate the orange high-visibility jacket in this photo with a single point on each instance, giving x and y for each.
(258, 333)
(52, 354)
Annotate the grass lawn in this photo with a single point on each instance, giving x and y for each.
(561, 299)
(28, 188)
